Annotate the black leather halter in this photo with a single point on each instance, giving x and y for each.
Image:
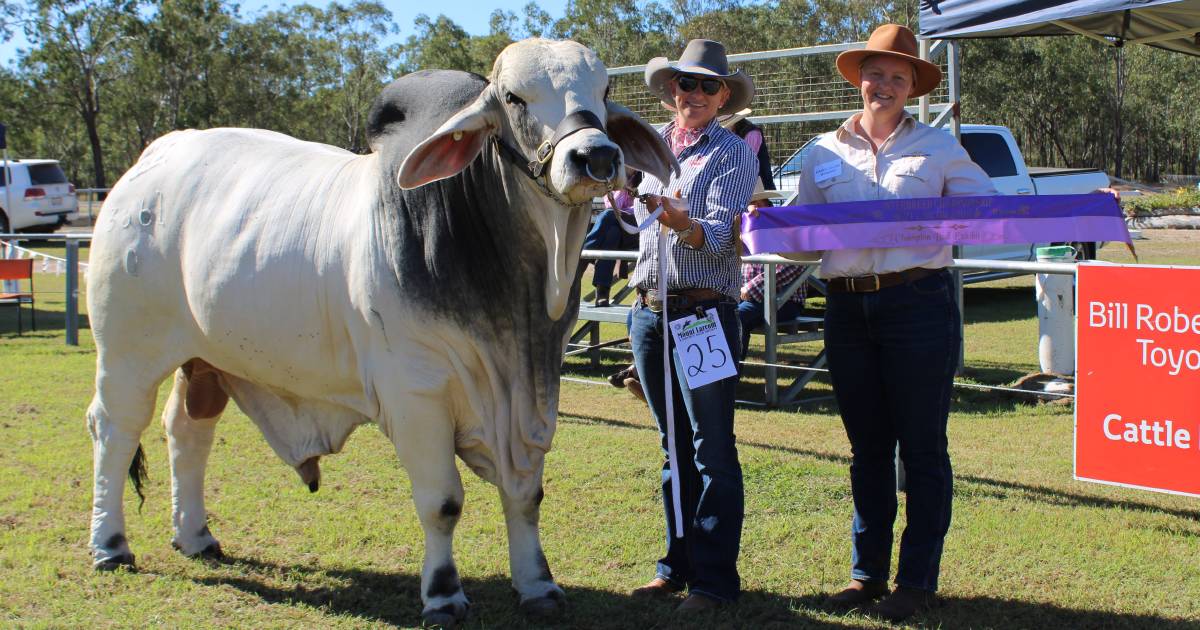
(535, 168)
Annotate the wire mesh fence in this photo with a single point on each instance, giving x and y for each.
(802, 83)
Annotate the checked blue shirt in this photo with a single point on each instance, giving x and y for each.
(716, 178)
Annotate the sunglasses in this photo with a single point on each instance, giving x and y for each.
(688, 83)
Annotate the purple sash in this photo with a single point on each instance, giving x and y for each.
(935, 221)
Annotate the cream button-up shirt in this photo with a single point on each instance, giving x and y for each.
(915, 161)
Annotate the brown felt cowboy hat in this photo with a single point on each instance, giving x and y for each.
(891, 40)
(702, 58)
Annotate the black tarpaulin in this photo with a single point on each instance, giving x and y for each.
(1168, 24)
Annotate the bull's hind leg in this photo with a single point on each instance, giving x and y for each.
(427, 453)
(540, 596)
(120, 411)
(190, 418)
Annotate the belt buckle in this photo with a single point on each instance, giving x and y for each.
(854, 283)
(652, 302)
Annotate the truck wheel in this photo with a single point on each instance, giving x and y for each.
(1085, 251)
(3, 223)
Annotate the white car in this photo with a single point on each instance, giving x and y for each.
(35, 197)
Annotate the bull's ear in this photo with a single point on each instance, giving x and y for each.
(453, 146)
(643, 147)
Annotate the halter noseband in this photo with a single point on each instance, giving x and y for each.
(534, 169)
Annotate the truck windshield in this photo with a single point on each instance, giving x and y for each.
(990, 151)
(42, 174)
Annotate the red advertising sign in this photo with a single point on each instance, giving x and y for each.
(1137, 405)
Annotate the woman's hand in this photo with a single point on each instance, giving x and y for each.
(674, 216)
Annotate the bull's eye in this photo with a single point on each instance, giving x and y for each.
(513, 99)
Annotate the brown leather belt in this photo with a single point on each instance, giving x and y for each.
(875, 282)
(679, 299)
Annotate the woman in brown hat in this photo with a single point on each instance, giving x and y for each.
(716, 176)
(891, 324)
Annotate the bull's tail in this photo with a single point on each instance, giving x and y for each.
(137, 474)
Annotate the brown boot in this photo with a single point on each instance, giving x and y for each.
(657, 587)
(697, 603)
(856, 594)
(635, 387)
(617, 379)
(903, 603)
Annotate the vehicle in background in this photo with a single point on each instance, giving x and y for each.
(40, 195)
(994, 149)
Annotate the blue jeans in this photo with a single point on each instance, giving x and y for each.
(750, 314)
(606, 234)
(892, 356)
(710, 476)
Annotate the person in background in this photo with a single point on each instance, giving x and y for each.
(751, 308)
(892, 325)
(606, 234)
(700, 204)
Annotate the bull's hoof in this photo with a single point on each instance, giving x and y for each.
(119, 561)
(548, 606)
(448, 616)
(211, 552)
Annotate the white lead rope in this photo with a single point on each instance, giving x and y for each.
(663, 252)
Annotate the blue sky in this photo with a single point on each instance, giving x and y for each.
(472, 15)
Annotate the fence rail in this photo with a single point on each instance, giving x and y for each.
(798, 92)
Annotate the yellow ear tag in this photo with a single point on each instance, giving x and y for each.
(457, 135)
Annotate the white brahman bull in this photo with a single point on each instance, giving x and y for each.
(428, 287)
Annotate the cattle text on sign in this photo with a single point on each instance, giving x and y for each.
(1137, 411)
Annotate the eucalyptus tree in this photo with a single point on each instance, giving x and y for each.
(76, 46)
(348, 66)
(439, 43)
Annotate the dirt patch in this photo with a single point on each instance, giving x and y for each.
(25, 409)
(1173, 236)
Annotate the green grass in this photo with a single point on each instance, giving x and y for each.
(1029, 547)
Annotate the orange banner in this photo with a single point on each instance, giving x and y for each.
(1137, 406)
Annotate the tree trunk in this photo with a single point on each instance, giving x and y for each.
(1119, 131)
(89, 118)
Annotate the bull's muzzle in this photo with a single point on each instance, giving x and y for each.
(600, 162)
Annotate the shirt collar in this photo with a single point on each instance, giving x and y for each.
(690, 137)
(846, 130)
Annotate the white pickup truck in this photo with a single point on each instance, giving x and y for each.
(41, 198)
(994, 149)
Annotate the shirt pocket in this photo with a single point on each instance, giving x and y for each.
(916, 176)
(840, 187)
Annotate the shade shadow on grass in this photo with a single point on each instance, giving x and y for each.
(47, 321)
(394, 598)
(1042, 494)
(998, 304)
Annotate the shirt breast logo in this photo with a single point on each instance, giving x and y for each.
(697, 161)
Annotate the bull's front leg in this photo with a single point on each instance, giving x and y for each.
(426, 450)
(540, 596)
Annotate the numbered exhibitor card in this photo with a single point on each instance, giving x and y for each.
(702, 349)
(1137, 406)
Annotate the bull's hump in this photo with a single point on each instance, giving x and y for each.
(412, 107)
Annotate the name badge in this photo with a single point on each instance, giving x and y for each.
(702, 349)
(826, 170)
